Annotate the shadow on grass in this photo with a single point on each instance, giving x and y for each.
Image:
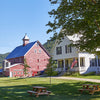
(61, 91)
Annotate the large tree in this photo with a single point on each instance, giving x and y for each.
(80, 17)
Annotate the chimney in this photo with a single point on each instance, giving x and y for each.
(25, 40)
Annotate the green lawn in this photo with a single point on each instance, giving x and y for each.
(16, 89)
(88, 76)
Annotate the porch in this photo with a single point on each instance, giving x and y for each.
(65, 64)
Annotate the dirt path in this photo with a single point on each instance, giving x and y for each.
(81, 79)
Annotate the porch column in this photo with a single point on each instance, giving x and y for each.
(57, 64)
(64, 65)
(79, 64)
(97, 71)
(97, 60)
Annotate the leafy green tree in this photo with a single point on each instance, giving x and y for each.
(81, 17)
(25, 67)
(48, 45)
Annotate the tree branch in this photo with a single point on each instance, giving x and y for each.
(97, 25)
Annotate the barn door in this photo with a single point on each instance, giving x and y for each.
(11, 74)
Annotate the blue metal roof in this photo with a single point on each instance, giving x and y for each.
(1, 70)
(20, 51)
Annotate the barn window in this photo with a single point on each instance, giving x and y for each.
(39, 51)
(37, 67)
(45, 59)
(37, 60)
(35, 50)
(21, 73)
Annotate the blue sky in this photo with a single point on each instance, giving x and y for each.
(18, 17)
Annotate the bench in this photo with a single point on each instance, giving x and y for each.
(37, 93)
(90, 87)
(91, 91)
(31, 92)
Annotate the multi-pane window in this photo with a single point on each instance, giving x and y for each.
(82, 62)
(6, 64)
(58, 50)
(93, 62)
(60, 64)
(68, 49)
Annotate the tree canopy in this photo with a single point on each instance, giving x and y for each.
(81, 17)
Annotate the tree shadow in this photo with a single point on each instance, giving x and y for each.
(61, 91)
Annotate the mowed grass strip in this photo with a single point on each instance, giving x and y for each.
(87, 77)
(16, 89)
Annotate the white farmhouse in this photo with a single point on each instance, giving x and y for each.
(64, 54)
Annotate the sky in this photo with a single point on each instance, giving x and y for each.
(18, 17)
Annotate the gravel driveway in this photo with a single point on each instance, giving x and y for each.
(81, 79)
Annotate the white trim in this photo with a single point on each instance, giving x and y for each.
(14, 65)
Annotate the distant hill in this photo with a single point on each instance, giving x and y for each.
(2, 57)
(48, 45)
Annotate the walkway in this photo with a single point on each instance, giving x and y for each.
(80, 79)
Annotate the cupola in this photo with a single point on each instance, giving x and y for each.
(25, 40)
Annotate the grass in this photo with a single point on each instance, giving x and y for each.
(16, 89)
(89, 76)
(83, 76)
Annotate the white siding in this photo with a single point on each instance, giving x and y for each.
(75, 54)
(87, 68)
(64, 55)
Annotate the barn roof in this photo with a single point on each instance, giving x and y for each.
(20, 50)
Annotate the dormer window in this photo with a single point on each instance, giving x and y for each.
(58, 50)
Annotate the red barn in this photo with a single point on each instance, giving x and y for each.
(35, 55)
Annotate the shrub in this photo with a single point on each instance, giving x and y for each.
(55, 73)
(71, 73)
(90, 73)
